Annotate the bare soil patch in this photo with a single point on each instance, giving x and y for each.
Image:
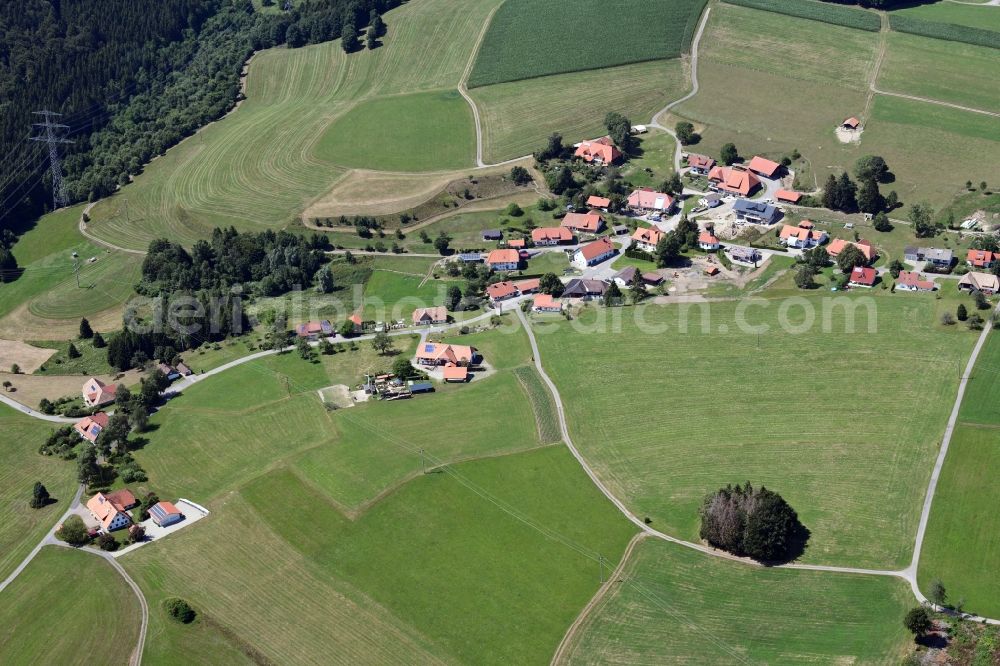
(845, 135)
(28, 357)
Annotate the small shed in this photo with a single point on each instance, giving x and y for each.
(492, 235)
(420, 387)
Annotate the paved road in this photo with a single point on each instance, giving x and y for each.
(28, 411)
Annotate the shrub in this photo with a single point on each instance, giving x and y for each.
(917, 621)
(107, 542)
(73, 531)
(179, 610)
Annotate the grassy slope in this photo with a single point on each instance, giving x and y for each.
(423, 132)
(48, 613)
(572, 104)
(22, 527)
(256, 169)
(851, 451)
(962, 548)
(948, 71)
(528, 38)
(772, 83)
(680, 607)
(987, 18)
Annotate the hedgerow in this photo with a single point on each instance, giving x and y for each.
(946, 31)
(532, 38)
(808, 9)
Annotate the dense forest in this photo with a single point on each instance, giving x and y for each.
(131, 78)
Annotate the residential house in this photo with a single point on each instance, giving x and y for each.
(598, 151)
(626, 277)
(708, 242)
(787, 196)
(312, 330)
(647, 200)
(976, 281)
(981, 258)
(546, 303)
(516, 243)
(165, 513)
(455, 373)
(492, 235)
(501, 291)
(183, 369)
(97, 394)
(111, 509)
(551, 235)
(584, 288)
(437, 353)
(589, 223)
(710, 200)
(764, 167)
(700, 164)
(911, 281)
(646, 239)
(169, 371)
(89, 427)
(595, 201)
(863, 276)
(746, 255)
(733, 180)
(802, 237)
(594, 253)
(504, 260)
(755, 212)
(528, 286)
(427, 316)
(911, 253)
(936, 256)
(837, 245)
(357, 322)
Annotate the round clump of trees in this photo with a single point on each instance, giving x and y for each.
(179, 610)
(753, 522)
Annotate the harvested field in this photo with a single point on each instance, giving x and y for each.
(26, 356)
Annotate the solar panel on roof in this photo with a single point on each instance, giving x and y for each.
(428, 349)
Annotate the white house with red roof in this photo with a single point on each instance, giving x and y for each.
(111, 509)
(837, 245)
(89, 427)
(647, 200)
(504, 260)
(598, 151)
(913, 281)
(595, 201)
(733, 180)
(546, 303)
(863, 276)
(97, 394)
(551, 235)
(428, 316)
(589, 223)
(700, 164)
(981, 258)
(646, 238)
(594, 253)
(501, 291)
(803, 236)
(708, 242)
(437, 353)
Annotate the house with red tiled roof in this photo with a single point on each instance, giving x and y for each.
(89, 427)
(912, 281)
(111, 510)
(551, 235)
(594, 253)
(504, 260)
(700, 164)
(787, 196)
(97, 394)
(165, 513)
(863, 276)
(733, 180)
(707, 241)
(981, 258)
(646, 239)
(647, 200)
(516, 243)
(528, 286)
(837, 246)
(802, 237)
(437, 353)
(598, 151)
(427, 316)
(546, 303)
(455, 373)
(595, 201)
(312, 330)
(501, 291)
(590, 223)
(764, 167)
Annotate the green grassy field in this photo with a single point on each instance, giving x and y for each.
(363, 587)
(968, 14)
(948, 71)
(528, 39)
(50, 612)
(553, 103)
(818, 11)
(255, 169)
(390, 296)
(963, 535)
(22, 527)
(423, 132)
(851, 452)
(91, 361)
(677, 606)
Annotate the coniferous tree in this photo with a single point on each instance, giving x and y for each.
(86, 332)
(39, 496)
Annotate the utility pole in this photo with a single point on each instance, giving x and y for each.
(600, 563)
(49, 137)
(423, 460)
(127, 221)
(76, 268)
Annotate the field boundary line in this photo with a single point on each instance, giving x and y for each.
(463, 89)
(928, 100)
(883, 45)
(599, 596)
